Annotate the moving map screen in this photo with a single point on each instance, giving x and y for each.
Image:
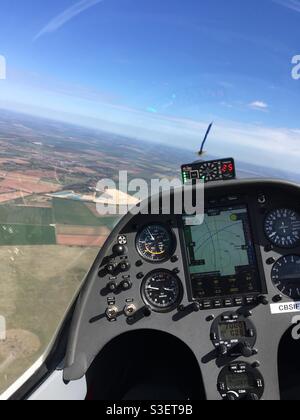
(221, 254)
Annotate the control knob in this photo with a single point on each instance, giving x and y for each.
(111, 267)
(232, 396)
(222, 350)
(119, 250)
(124, 266)
(253, 397)
(126, 284)
(112, 286)
(112, 312)
(130, 309)
(246, 350)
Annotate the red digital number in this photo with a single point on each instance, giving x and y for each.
(224, 168)
(227, 168)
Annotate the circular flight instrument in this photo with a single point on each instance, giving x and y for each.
(155, 243)
(210, 171)
(162, 290)
(282, 228)
(286, 276)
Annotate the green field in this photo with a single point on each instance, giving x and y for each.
(26, 215)
(38, 285)
(71, 212)
(25, 225)
(17, 234)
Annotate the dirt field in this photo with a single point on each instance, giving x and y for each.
(30, 187)
(4, 198)
(82, 230)
(38, 284)
(81, 240)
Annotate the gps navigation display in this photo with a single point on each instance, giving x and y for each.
(221, 253)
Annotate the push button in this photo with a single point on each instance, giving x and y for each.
(238, 301)
(218, 303)
(207, 304)
(228, 303)
(249, 300)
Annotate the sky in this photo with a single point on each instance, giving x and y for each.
(161, 70)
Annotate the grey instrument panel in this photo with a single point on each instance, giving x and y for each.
(92, 329)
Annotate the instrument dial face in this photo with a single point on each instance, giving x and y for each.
(286, 276)
(162, 291)
(210, 172)
(282, 228)
(155, 243)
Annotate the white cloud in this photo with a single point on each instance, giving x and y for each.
(259, 105)
(66, 16)
(290, 4)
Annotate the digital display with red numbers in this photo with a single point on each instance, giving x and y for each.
(227, 168)
(214, 170)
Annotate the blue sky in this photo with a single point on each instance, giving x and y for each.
(160, 70)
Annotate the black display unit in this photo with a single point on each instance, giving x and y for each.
(209, 171)
(222, 262)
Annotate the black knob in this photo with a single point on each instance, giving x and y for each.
(196, 306)
(111, 267)
(124, 266)
(139, 263)
(223, 350)
(270, 261)
(147, 312)
(262, 300)
(119, 250)
(112, 286)
(253, 397)
(126, 285)
(246, 350)
(140, 276)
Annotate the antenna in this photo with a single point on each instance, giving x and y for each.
(202, 151)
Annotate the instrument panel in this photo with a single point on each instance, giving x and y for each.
(210, 282)
(220, 254)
